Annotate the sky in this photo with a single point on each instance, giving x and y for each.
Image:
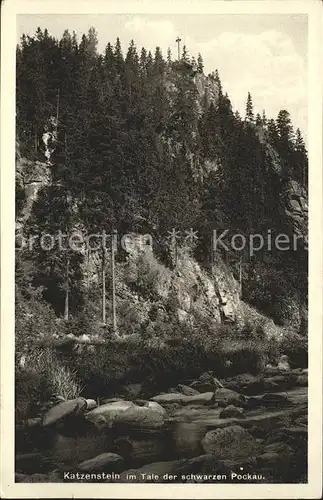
(264, 54)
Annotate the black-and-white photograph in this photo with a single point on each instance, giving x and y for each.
(161, 248)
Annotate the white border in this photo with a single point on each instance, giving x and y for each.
(8, 43)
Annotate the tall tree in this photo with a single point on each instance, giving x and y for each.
(249, 109)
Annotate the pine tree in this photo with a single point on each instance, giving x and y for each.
(218, 81)
(300, 159)
(169, 56)
(159, 63)
(259, 121)
(143, 61)
(185, 56)
(249, 109)
(118, 57)
(264, 118)
(200, 63)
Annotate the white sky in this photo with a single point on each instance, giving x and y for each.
(265, 54)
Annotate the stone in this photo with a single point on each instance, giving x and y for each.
(302, 380)
(106, 414)
(140, 417)
(207, 384)
(226, 397)
(231, 412)
(275, 399)
(198, 399)
(105, 461)
(245, 383)
(230, 443)
(90, 404)
(283, 363)
(156, 407)
(186, 390)
(64, 409)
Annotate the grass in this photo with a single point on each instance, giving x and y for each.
(43, 377)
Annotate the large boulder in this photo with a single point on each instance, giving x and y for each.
(63, 410)
(105, 462)
(283, 363)
(245, 383)
(226, 397)
(140, 417)
(106, 414)
(231, 412)
(205, 398)
(186, 390)
(230, 443)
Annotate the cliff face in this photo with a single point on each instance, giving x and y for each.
(296, 209)
(31, 176)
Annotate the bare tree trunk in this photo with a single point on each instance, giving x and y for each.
(114, 319)
(103, 288)
(212, 253)
(66, 310)
(240, 276)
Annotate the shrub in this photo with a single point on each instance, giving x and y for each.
(43, 377)
(295, 346)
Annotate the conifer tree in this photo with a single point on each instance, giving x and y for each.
(259, 121)
(264, 118)
(185, 56)
(200, 63)
(169, 56)
(249, 109)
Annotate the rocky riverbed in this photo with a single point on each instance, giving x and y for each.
(242, 429)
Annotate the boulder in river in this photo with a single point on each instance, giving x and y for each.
(90, 404)
(105, 415)
(186, 390)
(283, 363)
(64, 409)
(245, 383)
(140, 417)
(105, 462)
(207, 383)
(230, 443)
(226, 397)
(231, 411)
(205, 398)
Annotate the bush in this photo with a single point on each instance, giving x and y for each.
(43, 377)
(295, 346)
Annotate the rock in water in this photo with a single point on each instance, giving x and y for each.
(140, 417)
(105, 415)
(207, 383)
(230, 443)
(90, 404)
(62, 410)
(105, 461)
(226, 397)
(186, 390)
(198, 399)
(231, 412)
(283, 363)
(157, 407)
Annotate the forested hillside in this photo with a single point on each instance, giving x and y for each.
(141, 143)
(161, 271)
